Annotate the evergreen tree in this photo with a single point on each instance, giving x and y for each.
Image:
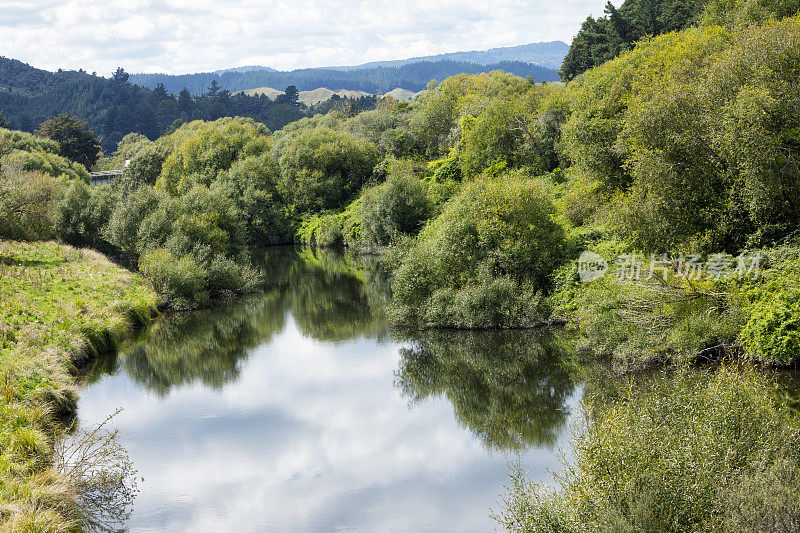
(120, 75)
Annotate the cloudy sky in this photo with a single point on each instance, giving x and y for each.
(180, 36)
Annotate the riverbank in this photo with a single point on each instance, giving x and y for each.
(59, 307)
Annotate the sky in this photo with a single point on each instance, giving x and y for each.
(184, 36)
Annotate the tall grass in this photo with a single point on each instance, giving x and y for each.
(58, 306)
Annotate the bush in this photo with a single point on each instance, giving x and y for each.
(333, 229)
(202, 150)
(399, 206)
(181, 281)
(123, 227)
(771, 306)
(495, 244)
(639, 323)
(323, 169)
(82, 214)
(27, 205)
(675, 455)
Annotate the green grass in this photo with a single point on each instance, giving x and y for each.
(58, 306)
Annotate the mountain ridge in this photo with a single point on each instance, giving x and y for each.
(540, 60)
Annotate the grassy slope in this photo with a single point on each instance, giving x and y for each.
(57, 305)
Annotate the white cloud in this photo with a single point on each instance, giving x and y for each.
(311, 436)
(180, 36)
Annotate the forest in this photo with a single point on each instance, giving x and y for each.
(115, 107)
(673, 160)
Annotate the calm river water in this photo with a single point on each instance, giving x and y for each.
(299, 410)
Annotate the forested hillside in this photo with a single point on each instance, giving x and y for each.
(115, 107)
(604, 38)
(414, 77)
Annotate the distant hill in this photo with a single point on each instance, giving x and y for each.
(307, 97)
(549, 55)
(401, 95)
(412, 76)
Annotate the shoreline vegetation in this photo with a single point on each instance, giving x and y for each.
(59, 307)
(480, 198)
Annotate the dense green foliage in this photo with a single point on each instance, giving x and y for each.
(482, 262)
(323, 168)
(772, 307)
(683, 453)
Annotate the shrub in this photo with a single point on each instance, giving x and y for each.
(399, 206)
(675, 455)
(123, 227)
(181, 281)
(772, 309)
(639, 323)
(202, 150)
(82, 214)
(323, 169)
(27, 205)
(495, 243)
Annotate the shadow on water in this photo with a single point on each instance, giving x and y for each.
(325, 291)
(508, 387)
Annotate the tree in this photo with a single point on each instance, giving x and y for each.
(77, 142)
(120, 75)
(324, 168)
(290, 96)
(185, 100)
(213, 89)
(2, 120)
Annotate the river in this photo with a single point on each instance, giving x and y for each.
(299, 410)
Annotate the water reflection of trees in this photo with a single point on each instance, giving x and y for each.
(330, 294)
(333, 297)
(508, 387)
(205, 346)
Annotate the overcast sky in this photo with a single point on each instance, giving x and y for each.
(179, 36)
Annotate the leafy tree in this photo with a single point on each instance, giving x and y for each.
(323, 169)
(77, 142)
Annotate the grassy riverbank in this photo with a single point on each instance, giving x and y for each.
(58, 306)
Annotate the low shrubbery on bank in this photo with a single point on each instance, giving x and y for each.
(689, 452)
(58, 305)
(484, 261)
